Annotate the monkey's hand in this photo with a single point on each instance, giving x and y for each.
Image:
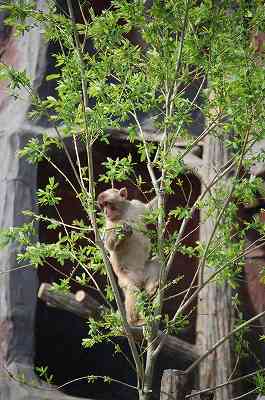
(116, 236)
(124, 231)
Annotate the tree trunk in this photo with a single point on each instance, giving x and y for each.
(215, 317)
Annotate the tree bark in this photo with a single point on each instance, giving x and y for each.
(202, 396)
(85, 306)
(173, 385)
(215, 317)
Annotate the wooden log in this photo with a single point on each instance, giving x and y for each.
(216, 317)
(173, 385)
(86, 306)
(186, 352)
(202, 396)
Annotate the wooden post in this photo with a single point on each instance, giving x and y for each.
(202, 396)
(215, 317)
(173, 385)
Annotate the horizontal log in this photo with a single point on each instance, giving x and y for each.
(66, 301)
(86, 306)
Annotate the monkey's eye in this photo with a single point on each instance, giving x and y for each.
(104, 204)
(101, 205)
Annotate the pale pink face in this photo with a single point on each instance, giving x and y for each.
(111, 201)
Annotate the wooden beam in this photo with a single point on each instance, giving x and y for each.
(191, 160)
(86, 306)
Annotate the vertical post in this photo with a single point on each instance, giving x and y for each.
(173, 385)
(215, 313)
(202, 396)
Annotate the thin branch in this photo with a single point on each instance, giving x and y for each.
(218, 220)
(57, 222)
(241, 378)
(244, 395)
(221, 341)
(59, 170)
(67, 154)
(149, 163)
(106, 380)
(182, 37)
(99, 242)
(204, 133)
(216, 178)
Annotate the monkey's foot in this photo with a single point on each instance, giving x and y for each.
(151, 288)
(19, 382)
(137, 322)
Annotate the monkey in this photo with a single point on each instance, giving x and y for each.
(129, 248)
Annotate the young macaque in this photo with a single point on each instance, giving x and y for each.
(129, 248)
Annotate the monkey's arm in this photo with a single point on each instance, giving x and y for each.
(117, 235)
(153, 204)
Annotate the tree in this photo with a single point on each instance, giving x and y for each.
(182, 44)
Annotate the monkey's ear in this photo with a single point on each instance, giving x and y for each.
(123, 193)
(100, 200)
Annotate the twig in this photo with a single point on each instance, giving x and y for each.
(221, 341)
(241, 378)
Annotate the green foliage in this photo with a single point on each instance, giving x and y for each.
(99, 331)
(180, 213)
(260, 383)
(117, 170)
(47, 197)
(62, 286)
(24, 235)
(17, 79)
(43, 374)
(37, 150)
(175, 326)
(147, 308)
(241, 345)
(119, 84)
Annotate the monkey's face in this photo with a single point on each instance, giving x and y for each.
(111, 210)
(111, 202)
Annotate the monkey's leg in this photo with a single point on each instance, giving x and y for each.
(133, 317)
(152, 271)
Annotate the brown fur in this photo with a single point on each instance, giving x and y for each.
(130, 253)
